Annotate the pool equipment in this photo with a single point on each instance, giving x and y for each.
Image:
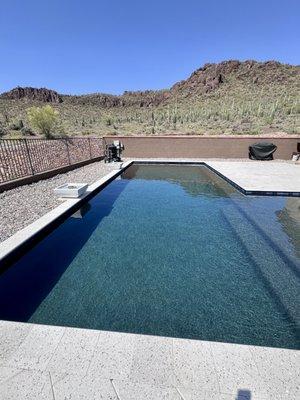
(113, 151)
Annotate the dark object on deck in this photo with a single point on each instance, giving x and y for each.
(113, 151)
(262, 151)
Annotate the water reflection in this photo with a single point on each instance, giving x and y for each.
(196, 180)
(82, 211)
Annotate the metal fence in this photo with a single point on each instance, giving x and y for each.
(24, 157)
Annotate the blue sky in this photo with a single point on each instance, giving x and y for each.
(110, 46)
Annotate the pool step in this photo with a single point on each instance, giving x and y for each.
(271, 268)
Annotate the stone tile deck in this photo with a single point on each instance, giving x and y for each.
(55, 363)
(261, 176)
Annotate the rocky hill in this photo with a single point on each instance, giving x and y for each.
(212, 76)
(34, 94)
(229, 97)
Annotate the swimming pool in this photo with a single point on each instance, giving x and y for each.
(169, 250)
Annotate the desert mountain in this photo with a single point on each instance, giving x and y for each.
(228, 97)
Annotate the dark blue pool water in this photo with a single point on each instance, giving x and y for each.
(167, 250)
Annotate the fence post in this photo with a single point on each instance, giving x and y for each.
(68, 152)
(89, 139)
(103, 145)
(29, 158)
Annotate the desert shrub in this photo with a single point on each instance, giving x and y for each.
(2, 130)
(13, 127)
(44, 120)
(27, 131)
(16, 126)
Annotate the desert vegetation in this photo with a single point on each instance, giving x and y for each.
(227, 98)
(44, 120)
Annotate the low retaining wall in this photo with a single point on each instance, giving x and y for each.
(201, 146)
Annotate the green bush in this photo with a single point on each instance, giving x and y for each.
(43, 119)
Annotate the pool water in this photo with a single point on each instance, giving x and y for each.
(170, 250)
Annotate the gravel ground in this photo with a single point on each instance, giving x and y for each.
(23, 205)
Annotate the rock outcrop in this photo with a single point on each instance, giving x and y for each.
(30, 93)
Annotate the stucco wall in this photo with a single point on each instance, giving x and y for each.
(201, 146)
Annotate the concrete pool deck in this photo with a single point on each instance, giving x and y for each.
(56, 363)
(261, 176)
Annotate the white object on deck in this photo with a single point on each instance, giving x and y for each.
(71, 190)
